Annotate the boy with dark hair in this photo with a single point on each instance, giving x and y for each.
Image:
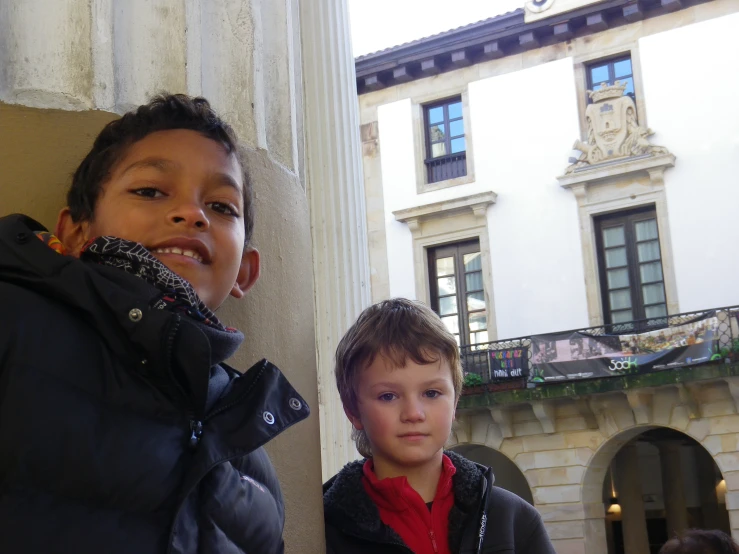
(122, 430)
(701, 541)
(399, 377)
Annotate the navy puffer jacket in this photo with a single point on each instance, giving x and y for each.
(106, 444)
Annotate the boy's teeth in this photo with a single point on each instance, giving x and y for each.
(175, 250)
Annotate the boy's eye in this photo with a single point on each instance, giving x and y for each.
(223, 208)
(387, 397)
(432, 393)
(148, 192)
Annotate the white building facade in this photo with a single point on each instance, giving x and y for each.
(478, 204)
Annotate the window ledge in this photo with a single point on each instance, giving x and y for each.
(476, 203)
(438, 185)
(653, 165)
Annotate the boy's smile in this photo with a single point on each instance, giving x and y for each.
(406, 412)
(180, 195)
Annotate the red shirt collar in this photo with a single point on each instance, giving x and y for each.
(394, 493)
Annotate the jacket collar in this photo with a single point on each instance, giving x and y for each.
(122, 308)
(349, 508)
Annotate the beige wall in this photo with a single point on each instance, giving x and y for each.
(39, 150)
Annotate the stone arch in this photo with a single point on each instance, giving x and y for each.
(477, 437)
(508, 475)
(597, 469)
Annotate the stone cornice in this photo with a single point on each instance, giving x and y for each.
(476, 203)
(654, 166)
(499, 36)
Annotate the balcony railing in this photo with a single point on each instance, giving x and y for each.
(447, 167)
(641, 346)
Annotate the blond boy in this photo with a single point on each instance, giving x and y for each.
(399, 377)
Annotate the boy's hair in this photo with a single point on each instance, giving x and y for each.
(699, 541)
(163, 113)
(397, 329)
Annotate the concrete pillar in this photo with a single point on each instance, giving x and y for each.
(629, 491)
(245, 57)
(673, 490)
(338, 217)
(707, 488)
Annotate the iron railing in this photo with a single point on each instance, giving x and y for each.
(477, 359)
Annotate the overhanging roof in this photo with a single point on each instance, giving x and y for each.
(496, 37)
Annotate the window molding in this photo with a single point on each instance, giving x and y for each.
(626, 185)
(450, 221)
(627, 222)
(581, 64)
(419, 138)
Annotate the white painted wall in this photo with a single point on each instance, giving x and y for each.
(523, 124)
(691, 78)
(395, 125)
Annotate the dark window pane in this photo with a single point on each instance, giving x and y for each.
(458, 145)
(621, 316)
(659, 310)
(646, 230)
(474, 280)
(651, 272)
(618, 278)
(437, 132)
(653, 294)
(620, 299)
(455, 110)
(438, 149)
(447, 285)
(476, 301)
(622, 68)
(436, 115)
(478, 321)
(599, 74)
(616, 257)
(473, 262)
(452, 324)
(456, 128)
(648, 251)
(448, 305)
(613, 236)
(445, 266)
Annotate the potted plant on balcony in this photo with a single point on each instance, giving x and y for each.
(473, 384)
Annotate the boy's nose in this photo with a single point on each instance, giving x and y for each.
(413, 411)
(190, 215)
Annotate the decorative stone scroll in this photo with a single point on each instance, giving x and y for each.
(613, 130)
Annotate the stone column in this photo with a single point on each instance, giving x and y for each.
(673, 491)
(336, 193)
(707, 488)
(629, 491)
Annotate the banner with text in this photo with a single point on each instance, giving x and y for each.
(510, 363)
(567, 356)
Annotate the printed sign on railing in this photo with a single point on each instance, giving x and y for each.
(577, 355)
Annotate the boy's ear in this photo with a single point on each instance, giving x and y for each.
(248, 272)
(73, 235)
(356, 422)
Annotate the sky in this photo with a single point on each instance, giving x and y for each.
(379, 24)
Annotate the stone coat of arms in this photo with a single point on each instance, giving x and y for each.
(613, 129)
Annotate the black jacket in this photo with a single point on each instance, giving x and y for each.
(484, 519)
(106, 444)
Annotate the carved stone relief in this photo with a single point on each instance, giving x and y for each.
(614, 132)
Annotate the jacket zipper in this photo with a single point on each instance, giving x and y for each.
(198, 426)
(433, 541)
